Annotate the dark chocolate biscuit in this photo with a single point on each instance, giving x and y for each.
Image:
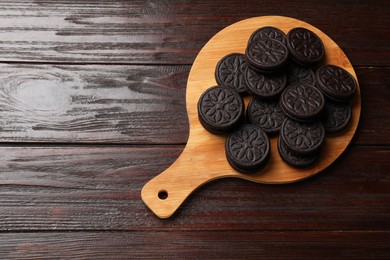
(293, 159)
(264, 86)
(296, 72)
(230, 72)
(336, 116)
(302, 102)
(268, 32)
(220, 109)
(302, 138)
(336, 83)
(247, 148)
(266, 114)
(305, 46)
(266, 54)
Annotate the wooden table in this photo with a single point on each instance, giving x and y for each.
(92, 103)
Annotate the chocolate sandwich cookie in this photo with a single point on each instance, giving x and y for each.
(230, 72)
(264, 86)
(220, 109)
(302, 138)
(336, 116)
(268, 32)
(336, 83)
(293, 159)
(247, 148)
(266, 55)
(296, 72)
(305, 46)
(266, 114)
(302, 102)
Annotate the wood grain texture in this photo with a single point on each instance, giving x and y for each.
(158, 31)
(196, 245)
(59, 199)
(374, 125)
(126, 104)
(78, 188)
(93, 104)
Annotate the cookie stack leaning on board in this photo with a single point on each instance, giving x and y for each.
(293, 97)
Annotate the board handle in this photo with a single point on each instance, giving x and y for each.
(167, 191)
(198, 164)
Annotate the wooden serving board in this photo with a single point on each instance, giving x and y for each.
(203, 158)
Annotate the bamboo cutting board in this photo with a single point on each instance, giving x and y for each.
(203, 158)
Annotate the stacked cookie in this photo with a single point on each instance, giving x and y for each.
(289, 99)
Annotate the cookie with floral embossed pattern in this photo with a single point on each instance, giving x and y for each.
(294, 159)
(302, 138)
(336, 83)
(230, 70)
(220, 109)
(264, 86)
(336, 117)
(266, 55)
(247, 148)
(266, 114)
(268, 32)
(302, 102)
(305, 46)
(296, 72)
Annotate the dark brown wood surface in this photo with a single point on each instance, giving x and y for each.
(92, 106)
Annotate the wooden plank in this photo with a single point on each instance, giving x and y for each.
(374, 125)
(132, 104)
(196, 245)
(93, 104)
(72, 188)
(171, 31)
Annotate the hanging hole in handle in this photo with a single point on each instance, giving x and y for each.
(162, 194)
